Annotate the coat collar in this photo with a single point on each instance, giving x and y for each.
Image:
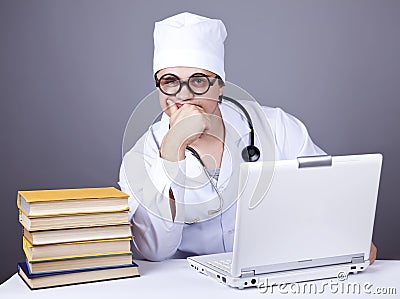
(235, 120)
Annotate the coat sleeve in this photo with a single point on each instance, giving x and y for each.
(291, 135)
(147, 178)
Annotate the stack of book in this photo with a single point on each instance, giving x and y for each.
(74, 236)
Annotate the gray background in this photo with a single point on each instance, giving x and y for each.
(71, 73)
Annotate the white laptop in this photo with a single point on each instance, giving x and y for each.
(314, 222)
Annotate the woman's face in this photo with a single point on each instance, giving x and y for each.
(207, 101)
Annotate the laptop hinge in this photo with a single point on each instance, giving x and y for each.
(250, 273)
(314, 161)
(357, 259)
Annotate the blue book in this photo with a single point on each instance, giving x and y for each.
(71, 277)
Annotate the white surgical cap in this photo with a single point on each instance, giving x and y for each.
(189, 40)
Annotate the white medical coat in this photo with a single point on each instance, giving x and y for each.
(144, 177)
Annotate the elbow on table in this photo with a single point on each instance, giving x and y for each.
(157, 255)
(143, 249)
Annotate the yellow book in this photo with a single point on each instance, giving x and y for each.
(35, 223)
(78, 234)
(62, 251)
(71, 201)
(81, 262)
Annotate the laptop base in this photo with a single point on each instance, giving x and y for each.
(340, 271)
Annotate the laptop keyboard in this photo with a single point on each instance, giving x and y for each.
(224, 265)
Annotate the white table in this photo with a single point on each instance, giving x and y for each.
(175, 279)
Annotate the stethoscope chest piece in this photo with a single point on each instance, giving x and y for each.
(251, 153)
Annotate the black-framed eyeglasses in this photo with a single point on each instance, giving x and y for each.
(198, 83)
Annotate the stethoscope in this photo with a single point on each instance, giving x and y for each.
(250, 153)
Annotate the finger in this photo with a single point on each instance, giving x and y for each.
(172, 107)
(372, 254)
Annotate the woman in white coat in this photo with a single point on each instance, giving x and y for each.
(181, 204)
